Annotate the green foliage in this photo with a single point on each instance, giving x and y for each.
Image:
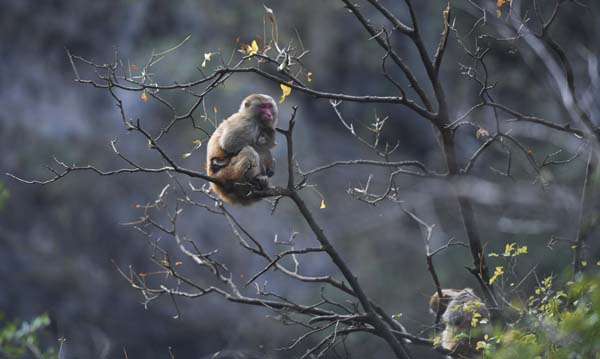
(560, 322)
(22, 339)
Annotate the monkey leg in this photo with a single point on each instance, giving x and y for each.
(242, 168)
(247, 163)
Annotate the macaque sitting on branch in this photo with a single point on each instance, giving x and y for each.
(239, 151)
(464, 317)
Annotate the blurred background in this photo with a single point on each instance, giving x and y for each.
(60, 244)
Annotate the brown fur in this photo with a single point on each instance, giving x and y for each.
(458, 307)
(239, 151)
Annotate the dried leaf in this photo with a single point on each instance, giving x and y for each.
(309, 76)
(245, 48)
(207, 57)
(144, 96)
(215, 109)
(270, 14)
(268, 10)
(286, 91)
(133, 67)
(482, 133)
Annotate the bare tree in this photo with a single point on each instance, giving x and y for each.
(476, 29)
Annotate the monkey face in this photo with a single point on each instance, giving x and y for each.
(262, 106)
(265, 111)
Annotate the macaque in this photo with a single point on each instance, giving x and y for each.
(464, 317)
(239, 151)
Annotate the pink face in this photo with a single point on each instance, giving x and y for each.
(265, 110)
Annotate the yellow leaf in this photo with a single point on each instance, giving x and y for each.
(498, 272)
(508, 249)
(144, 97)
(475, 319)
(584, 263)
(322, 204)
(482, 345)
(286, 91)
(499, 4)
(215, 109)
(197, 144)
(309, 76)
(253, 48)
(186, 155)
(520, 250)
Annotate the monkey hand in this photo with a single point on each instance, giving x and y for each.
(261, 182)
(270, 168)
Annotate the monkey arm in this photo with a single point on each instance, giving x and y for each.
(270, 169)
(237, 137)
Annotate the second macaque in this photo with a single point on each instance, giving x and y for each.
(239, 151)
(464, 317)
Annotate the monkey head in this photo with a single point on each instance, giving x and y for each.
(464, 317)
(447, 295)
(263, 106)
